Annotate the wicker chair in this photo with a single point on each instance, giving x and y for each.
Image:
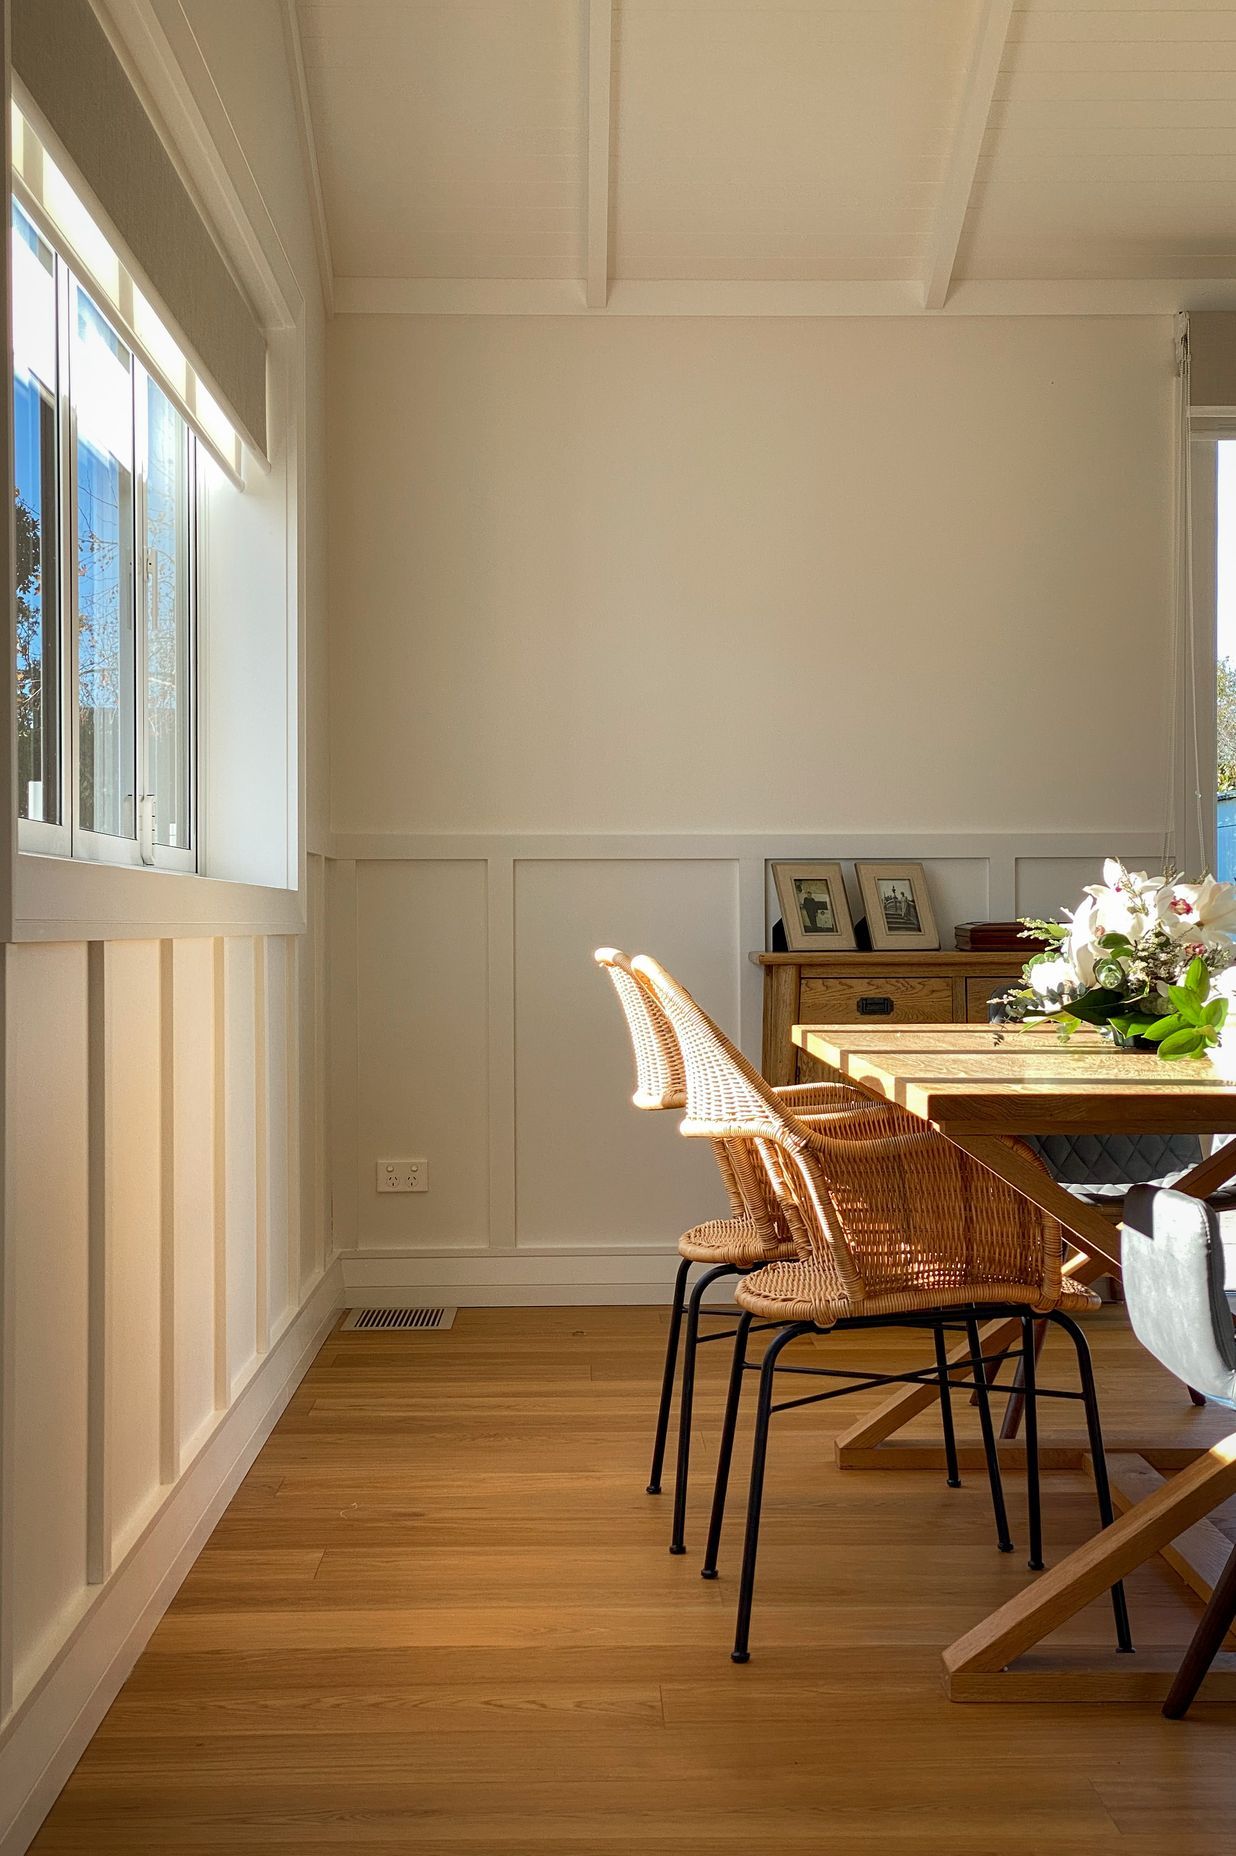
(896, 1227)
(755, 1232)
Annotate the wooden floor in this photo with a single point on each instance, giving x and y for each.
(439, 1617)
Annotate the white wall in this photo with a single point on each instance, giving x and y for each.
(820, 543)
(168, 1268)
(622, 607)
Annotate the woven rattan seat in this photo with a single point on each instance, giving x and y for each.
(732, 1240)
(804, 1292)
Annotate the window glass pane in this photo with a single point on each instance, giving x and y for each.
(167, 617)
(1225, 575)
(36, 477)
(101, 374)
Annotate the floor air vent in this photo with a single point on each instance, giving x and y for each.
(386, 1320)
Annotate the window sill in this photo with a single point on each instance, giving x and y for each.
(60, 899)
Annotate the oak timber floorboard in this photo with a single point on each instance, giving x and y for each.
(439, 1617)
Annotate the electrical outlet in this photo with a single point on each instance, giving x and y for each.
(403, 1175)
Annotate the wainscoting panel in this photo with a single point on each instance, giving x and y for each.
(49, 1230)
(273, 1055)
(468, 1027)
(1046, 885)
(130, 1469)
(422, 1019)
(238, 1074)
(592, 1173)
(194, 1235)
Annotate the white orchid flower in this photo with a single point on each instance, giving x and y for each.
(1124, 902)
(1079, 944)
(1199, 914)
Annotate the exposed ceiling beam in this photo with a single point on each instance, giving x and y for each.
(511, 296)
(309, 151)
(599, 31)
(989, 41)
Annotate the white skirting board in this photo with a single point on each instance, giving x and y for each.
(51, 1728)
(485, 1279)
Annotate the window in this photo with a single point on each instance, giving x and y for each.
(1225, 627)
(105, 469)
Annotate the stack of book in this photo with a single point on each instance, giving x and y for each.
(1005, 937)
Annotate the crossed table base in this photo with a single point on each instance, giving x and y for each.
(979, 1086)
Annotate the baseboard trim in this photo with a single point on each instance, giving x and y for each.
(492, 1279)
(51, 1728)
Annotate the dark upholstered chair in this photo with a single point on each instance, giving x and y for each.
(1175, 1294)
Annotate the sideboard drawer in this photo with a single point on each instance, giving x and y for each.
(978, 992)
(875, 1001)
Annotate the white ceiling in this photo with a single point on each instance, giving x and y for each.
(887, 153)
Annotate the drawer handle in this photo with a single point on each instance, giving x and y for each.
(875, 1005)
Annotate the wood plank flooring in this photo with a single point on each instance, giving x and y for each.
(439, 1616)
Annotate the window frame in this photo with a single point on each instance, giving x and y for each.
(69, 839)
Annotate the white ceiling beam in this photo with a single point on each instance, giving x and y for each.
(498, 296)
(309, 152)
(599, 33)
(989, 40)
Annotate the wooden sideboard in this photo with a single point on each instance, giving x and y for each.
(875, 989)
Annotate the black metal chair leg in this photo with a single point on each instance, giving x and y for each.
(952, 1473)
(979, 1374)
(1011, 1422)
(759, 1455)
(725, 1455)
(1206, 1642)
(1094, 1430)
(1034, 1507)
(686, 1399)
(667, 1377)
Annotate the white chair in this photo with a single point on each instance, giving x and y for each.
(756, 1231)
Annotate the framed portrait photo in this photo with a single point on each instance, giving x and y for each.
(898, 907)
(814, 909)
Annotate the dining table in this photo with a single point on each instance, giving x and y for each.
(985, 1088)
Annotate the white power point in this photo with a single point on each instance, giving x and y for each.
(403, 1175)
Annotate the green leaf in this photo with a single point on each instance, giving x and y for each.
(1197, 977)
(1163, 1027)
(1139, 1027)
(1187, 1043)
(1096, 1006)
(1216, 1013)
(1186, 1003)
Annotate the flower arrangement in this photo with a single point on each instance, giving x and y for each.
(1151, 960)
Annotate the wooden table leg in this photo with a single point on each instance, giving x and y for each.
(981, 1666)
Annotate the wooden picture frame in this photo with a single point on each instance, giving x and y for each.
(815, 911)
(898, 906)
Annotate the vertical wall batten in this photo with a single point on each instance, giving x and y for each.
(260, 951)
(219, 1073)
(169, 1380)
(98, 1504)
(500, 983)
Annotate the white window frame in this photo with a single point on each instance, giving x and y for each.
(70, 838)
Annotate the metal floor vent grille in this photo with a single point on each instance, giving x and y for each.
(387, 1319)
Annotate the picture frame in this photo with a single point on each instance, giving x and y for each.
(900, 918)
(815, 910)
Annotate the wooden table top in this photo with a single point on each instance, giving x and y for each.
(997, 1079)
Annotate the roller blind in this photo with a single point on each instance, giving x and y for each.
(1212, 359)
(62, 56)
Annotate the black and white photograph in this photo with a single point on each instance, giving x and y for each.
(898, 906)
(815, 905)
